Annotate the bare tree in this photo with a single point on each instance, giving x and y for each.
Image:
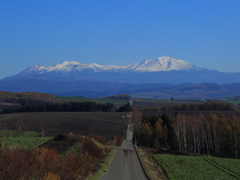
(42, 126)
(19, 124)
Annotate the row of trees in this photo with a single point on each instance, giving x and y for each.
(119, 96)
(125, 108)
(211, 135)
(221, 106)
(25, 98)
(74, 106)
(68, 106)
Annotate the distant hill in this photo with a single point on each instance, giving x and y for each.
(161, 70)
(163, 77)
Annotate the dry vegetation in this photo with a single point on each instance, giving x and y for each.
(65, 156)
(152, 169)
(55, 159)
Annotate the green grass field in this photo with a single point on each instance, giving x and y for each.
(150, 99)
(13, 139)
(22, 142)
(232, 100)
(194, 168)
(10, 133)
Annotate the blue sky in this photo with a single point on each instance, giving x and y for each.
(204, 33)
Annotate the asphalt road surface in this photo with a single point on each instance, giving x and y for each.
(125, 164)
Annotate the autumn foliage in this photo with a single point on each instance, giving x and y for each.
(202, 134)
(49, 164)
(98, 138)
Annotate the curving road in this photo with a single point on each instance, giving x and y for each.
(125, 164)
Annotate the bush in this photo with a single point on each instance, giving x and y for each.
(98, 138)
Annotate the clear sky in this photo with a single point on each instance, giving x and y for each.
(204, 33)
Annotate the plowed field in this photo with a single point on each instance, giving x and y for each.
(105, 124)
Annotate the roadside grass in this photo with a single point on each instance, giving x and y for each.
(100, 145)
(104, 165)
(150, 166)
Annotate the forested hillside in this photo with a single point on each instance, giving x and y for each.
(25, 98)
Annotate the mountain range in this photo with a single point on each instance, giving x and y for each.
(165, 63)
(144, 79)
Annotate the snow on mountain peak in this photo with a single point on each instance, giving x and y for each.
(70, 63)
(164, 63)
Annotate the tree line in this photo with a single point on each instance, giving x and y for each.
(119, 96)
(221, 106)
(209, 135)
(87, 106)
(15, 99)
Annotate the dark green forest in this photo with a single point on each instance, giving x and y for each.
(87, 106)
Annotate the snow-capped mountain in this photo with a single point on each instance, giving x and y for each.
(161, 70)
(144, 79)
(165, 63)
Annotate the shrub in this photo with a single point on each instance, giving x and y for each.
(98, 138)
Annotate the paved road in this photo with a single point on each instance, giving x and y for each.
(125, 164)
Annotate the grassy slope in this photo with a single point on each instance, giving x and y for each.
(153, 171)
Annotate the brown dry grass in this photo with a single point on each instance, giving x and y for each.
(152, 169)
(53, 160)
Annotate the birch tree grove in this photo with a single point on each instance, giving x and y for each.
(202, 134)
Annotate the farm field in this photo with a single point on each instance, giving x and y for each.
(165, 100)
(192, 167)
(233, 100)
(22, 142)
(26, 140)
(11, 133)
(105, 124)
